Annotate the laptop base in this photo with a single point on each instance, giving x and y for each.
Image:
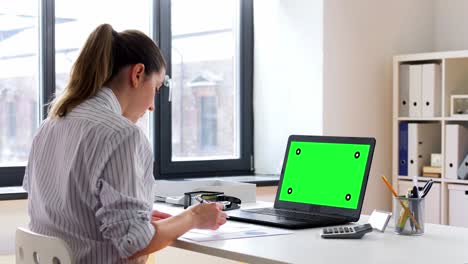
(280, 221)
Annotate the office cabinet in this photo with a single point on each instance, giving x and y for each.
(458, 205)
(423, 85)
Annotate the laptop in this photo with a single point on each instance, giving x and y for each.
(323, 182)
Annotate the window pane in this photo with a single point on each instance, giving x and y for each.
(205, 94)
(75, 20)
(19, 85)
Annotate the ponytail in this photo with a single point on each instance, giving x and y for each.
(89, 73)
(101, 58)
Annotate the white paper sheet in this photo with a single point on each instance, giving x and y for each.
(233, 230)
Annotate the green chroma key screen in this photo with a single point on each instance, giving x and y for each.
(327, 174)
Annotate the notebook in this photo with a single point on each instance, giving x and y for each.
(323, 182)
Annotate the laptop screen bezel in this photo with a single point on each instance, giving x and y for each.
(350, 214)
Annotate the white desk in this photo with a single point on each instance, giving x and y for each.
(439, 244)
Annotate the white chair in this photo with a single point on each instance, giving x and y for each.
(33, 248)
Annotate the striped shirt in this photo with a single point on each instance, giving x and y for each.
(90, 182)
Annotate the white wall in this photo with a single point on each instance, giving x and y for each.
(287, 76)
(14, 214)
(354, 42)
(360, 38)
(451, 25)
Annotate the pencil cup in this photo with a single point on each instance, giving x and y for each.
(406, 224)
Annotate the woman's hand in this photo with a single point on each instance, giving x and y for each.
(157, 215)
(203, 216)
(208, 216)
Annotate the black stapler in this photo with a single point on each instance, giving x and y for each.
(229, 202)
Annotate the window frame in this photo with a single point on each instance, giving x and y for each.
(165, 167)
(161, 34)
(13, 176)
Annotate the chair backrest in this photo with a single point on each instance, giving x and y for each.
(33, 248)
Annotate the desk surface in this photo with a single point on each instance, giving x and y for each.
(439, 244)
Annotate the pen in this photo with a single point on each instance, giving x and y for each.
(415, 193)
(413, 204)
(404, 215)
(200, 200)
(401, 202)
(427, 189)
(423, 188)
(425, 185)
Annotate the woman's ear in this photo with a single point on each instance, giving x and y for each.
(137, 72)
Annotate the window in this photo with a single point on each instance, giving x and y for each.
(204, 128)
(204, 65)
(11, 126)
(206, 125)
(19, 85)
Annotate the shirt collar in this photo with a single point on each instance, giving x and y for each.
(109, 100)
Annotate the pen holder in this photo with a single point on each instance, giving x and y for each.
(404, 223)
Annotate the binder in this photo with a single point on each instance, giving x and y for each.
(456, 141)
(403, 149)
(431, 90)
(415, 82)
(423, 140)
(463, 169)
(403, 88)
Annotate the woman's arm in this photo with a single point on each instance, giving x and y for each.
(202, 216)
(157, 215)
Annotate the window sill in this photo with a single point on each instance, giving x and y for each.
(13, 193)
(17, 192)
(258, 179)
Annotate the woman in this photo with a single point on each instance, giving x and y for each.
(90, 171)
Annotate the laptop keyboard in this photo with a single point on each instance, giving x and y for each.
(291, 214)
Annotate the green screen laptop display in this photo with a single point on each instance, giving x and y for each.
(327, 174)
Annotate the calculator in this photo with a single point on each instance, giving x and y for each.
(351, 232)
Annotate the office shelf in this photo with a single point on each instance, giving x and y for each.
(432, 119)
(429, 119)
(453, 71)
(456, 118)
(424, 179)
(456, 181)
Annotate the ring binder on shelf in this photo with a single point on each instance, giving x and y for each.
(403, 110)
(463, 169)
(431, 90)
(403, 149)
(423, 140)
(456, 141)
(415, 82)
